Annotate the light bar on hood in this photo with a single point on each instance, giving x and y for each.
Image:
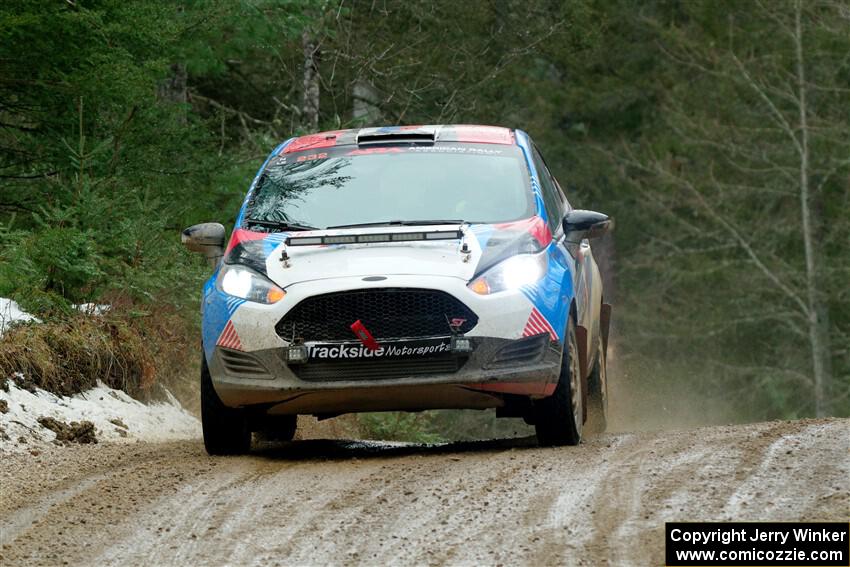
(372, 238)
(404, 236)
(346, 239)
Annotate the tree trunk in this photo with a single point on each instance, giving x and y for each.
(817, 316)
(173, 88)
(310, 100)
(365, 111)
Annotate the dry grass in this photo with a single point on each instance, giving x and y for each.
(124, 349)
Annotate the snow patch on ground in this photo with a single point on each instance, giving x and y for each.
(11, 312)
(116, 416)
(92, 308)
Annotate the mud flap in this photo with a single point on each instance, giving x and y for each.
(581, 339)
(605, 323)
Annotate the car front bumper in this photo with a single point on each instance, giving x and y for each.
(252, 370)
(495, 367)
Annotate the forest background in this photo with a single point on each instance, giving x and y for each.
(716, 132)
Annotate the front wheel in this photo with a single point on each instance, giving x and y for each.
(226, 430)
(558, 418)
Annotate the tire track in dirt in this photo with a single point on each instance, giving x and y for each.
(507, 502)
(675, 478)
(778, 502)
(19, 521)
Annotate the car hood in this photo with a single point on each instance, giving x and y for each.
(485, 245)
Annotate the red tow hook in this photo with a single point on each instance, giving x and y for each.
(364, 336)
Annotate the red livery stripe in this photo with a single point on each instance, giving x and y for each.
(537, 325)
(314, 141)
(535, 226)
(242, 235)
(229, 338)
(483, 134)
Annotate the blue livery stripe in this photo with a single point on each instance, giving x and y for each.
(552, 294)
(522, 142)
(272, 241)
(216, 310)
(233, 304)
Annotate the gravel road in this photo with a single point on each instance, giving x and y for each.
(496, 502)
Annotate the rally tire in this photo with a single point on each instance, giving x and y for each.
(558, 418)
(226, 430)
(597, 395)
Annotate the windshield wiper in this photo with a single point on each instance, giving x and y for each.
(401, 223)
(280, 225)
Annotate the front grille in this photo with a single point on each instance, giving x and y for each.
(388, 313)
(375, 369)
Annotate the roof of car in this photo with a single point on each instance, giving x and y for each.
(468, 133)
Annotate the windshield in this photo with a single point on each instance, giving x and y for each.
(476, 183)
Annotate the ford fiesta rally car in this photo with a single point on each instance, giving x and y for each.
(403, 268)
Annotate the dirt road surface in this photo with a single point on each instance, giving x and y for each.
(346, 502)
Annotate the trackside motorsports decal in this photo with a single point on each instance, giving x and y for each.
(394, 349)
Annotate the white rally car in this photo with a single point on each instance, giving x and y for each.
(402, 268)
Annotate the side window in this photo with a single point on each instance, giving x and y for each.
(563, 196)
(552, 196)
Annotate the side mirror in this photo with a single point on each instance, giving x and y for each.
(580, 224)
(206, 238)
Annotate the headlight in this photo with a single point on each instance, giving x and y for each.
(513, 273)
(243, 282)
